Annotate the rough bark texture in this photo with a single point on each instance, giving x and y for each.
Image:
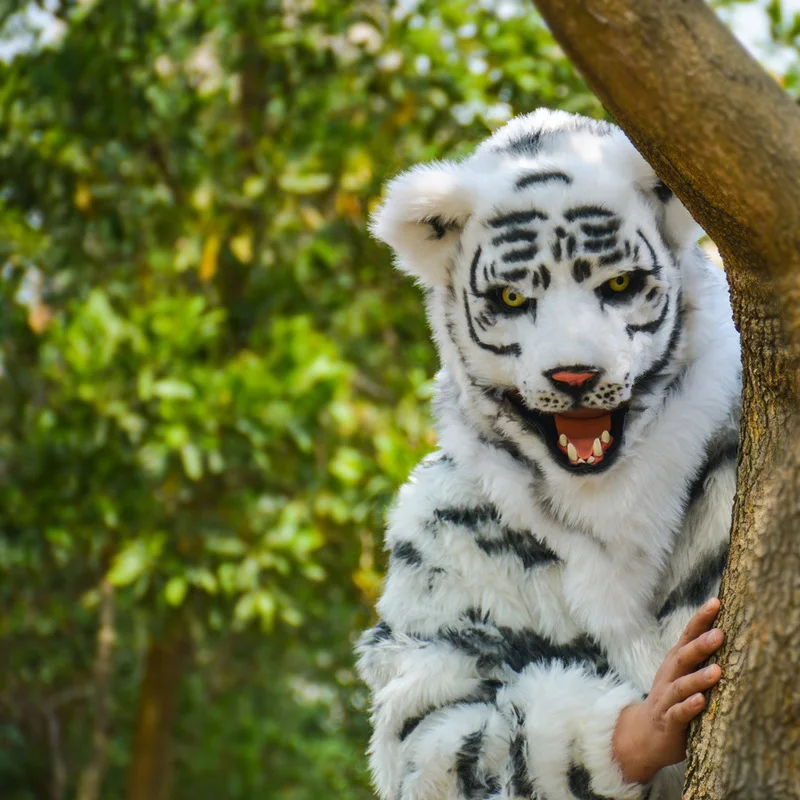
(726, 139)
(91, 779)
(150, 768)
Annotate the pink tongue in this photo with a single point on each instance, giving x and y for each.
(582, 432)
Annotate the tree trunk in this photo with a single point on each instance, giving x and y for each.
(91, 779)
(726, 139)
(150, 768)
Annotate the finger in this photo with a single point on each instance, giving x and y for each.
(691, 684)
(700, 622)
(683, 713)
(696, 652)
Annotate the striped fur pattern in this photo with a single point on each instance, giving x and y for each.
(528, 598)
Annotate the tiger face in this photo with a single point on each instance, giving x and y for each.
(551, 258)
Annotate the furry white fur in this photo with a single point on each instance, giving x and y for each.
(532, 595)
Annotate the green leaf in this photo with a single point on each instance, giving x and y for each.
(175, 590)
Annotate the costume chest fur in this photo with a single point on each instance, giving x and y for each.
(545, 559)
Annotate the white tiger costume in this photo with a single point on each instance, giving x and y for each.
(545, 560)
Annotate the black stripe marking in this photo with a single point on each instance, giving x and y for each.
(580, 783)
(541, 177)
(718, 457)
(600, 230)
(545, 273)
(598, 245)
(611, 258)
(649, 327)
(501, 350)
(467, 517)
(556, 249)
(651, 294)
(697, 587)
(584, 212)
(473, 271)
(493, 646)
(472, 782)
(516, 218)
(515, 274)
(521, 783)
(382, 632)
(528, 144)
(405, 551)
(484, 694)
(522, 544)
(581, 270)
(656, 265)
(645, 381)
(515, 235)
(515, 256)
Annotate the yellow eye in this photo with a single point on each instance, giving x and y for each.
(512, 298)
(620, 283)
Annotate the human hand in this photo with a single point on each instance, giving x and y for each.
(652, 734)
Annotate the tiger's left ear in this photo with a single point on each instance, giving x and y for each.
(680, 230)
(422, 216)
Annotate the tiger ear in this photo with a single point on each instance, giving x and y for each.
(679, 228)
(422, 216)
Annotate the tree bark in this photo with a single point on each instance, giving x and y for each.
(149, 773)
(91, 779)
(724, 136)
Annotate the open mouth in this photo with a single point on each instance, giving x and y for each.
(584, 440)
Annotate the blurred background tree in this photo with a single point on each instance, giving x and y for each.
(211, 382)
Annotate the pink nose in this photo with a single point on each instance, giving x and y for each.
(572, 378)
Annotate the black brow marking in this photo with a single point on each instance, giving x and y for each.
(600, 230)
(515, 274)
(627, 249)
(501, 350)
(516, 218)
(541, 177)
(612, 258)
(526, 254)
(656, 265)
(545, 273)
(571, 246)
(649, 327)
(581, 270)
(559, 231)
(492, 269)
(535, 280)
(583, 212)
(596, 245)
(556, 249)
(515, 235)
(486, 273)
